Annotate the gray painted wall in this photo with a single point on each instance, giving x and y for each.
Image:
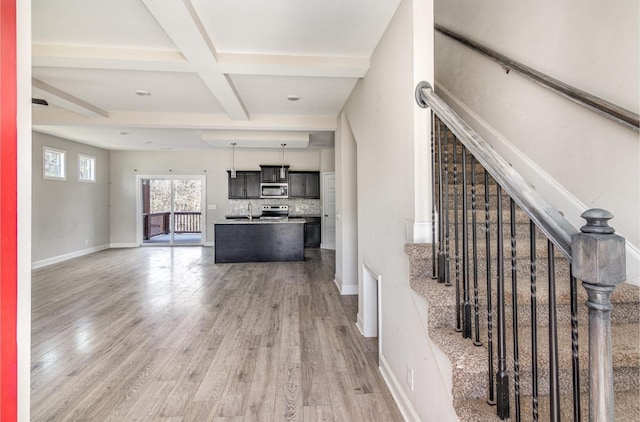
(68, 217)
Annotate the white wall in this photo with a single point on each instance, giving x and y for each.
(346, 207)
(125, 165)
(381, 112)
(575, 158)
(69, 218)
(23, 55)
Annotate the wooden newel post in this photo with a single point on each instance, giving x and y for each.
(599, 261)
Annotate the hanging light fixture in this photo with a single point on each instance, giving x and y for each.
(233, 163)
(282, 172)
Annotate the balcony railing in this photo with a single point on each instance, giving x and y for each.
(159, 223)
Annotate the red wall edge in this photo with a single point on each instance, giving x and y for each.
(8, 213)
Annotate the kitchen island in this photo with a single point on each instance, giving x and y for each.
(244, 240)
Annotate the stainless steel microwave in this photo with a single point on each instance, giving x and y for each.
(274, 190)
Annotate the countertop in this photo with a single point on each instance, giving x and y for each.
(245, 220)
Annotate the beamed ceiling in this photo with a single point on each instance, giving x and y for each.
(215, 72)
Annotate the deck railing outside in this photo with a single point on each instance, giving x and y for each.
(492, 226)
(160, 223)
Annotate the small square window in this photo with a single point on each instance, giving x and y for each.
(86, 168)
(54, 164)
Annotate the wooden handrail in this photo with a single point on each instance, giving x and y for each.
(605, 108)
(547, 219)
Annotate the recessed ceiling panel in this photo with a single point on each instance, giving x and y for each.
(327, 27)
(111, 23)
(269, 94)
(115, 90)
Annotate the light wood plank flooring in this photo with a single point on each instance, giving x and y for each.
(165, 334)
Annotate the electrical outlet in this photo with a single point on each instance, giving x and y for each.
(410, 377)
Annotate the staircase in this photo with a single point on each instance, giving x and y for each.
(488, 241)
(470, 362)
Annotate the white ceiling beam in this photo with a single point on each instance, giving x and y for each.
(282, 65)
(83, 57)
(202, 121)
(180, 21)
(65, 100)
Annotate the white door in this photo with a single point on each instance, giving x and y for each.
(329, 210)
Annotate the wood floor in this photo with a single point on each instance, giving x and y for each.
(165, 334)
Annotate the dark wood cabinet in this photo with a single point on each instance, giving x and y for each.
(246, 185)
(304, 184)
(312, 232)
(272, 174)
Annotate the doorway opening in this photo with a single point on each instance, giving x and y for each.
(171, 210)
(371, 299)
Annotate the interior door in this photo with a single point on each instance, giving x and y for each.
(329, 211)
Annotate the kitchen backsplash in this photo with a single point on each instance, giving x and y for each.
(307, 207)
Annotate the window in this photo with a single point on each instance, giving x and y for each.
(54, 164)
(86, 168)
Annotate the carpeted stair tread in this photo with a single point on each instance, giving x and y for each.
(627, 408)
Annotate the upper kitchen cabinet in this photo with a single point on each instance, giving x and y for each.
(271, 174)
(304, 184)
(246, 185)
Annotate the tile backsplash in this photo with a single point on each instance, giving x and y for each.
(306, 207)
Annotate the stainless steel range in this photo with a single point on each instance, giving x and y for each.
(274, 212)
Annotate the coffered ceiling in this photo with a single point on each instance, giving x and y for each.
(199, 74)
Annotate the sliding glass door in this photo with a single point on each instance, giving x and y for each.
(172, 210)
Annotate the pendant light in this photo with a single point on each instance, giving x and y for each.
(282, 172)
(233, 158)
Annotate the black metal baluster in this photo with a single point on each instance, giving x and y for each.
(447, 272)
(434, 274)
(514, 306)
(474, 247)
(502, 377)
(554, 382)
(487, 230)
(574, 348)
(465, 252)
(441, 212)
(534, 322)
(456, 231)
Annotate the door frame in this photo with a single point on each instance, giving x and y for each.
(141, 177)
(324, 245)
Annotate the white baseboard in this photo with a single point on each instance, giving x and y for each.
(404, 405)
(346, 290)
(419, 231)
(560, 198)
(359, 324)
(124, 245)
(60, 258)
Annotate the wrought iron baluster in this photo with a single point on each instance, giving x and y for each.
(502, 378)
(466, 332)
(514, 306)
(433, 197)
(474, 247)
(575, 361)
(441, 212)
(534, 322)
(447, 252)
(487, 231)
(554, 382)
(456, 231)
